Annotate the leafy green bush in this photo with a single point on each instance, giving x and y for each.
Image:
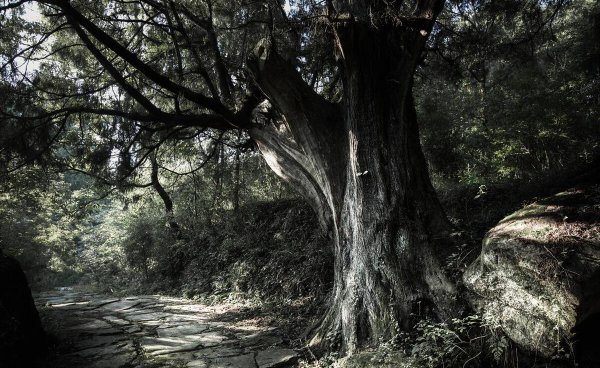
(39, 225)
(460, 342)
(266, 250)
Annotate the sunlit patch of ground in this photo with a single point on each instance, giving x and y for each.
(91, 330)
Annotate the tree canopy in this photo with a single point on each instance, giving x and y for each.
(142, 73)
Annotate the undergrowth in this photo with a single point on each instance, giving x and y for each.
(460, 342)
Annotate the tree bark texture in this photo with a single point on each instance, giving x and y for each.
(361, 167)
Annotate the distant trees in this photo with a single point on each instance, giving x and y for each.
(40, 222)
(511, 94)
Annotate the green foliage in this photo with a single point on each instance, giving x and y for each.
(517, 108)
(247, 252)
(39, 225)
(459, 342)
(253, 254)
(446, 343)
(102, 258)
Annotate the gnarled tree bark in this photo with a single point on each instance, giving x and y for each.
(361, 167)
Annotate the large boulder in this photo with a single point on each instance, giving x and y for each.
(538, 275)
(22, 339)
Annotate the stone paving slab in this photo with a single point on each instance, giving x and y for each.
(273, 358)
(158, 332)
(218, 351)
(121, 305)
(183, 329)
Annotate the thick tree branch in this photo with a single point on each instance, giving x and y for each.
(315, 125)
(112, 70)
(200, 66)
(145, 69)
(225, 84)
(310, 116)
(293, 166)
(168, 202)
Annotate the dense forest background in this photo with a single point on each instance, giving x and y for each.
(507, 99)
(501, 101)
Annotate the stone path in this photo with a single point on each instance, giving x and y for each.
(157, 331)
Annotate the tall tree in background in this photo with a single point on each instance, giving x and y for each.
(324, 89)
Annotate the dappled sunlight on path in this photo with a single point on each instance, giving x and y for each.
(156, 331)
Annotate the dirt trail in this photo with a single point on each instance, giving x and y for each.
(157, 331)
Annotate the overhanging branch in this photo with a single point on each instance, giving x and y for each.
(131, 58)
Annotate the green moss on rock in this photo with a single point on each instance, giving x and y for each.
(536, 268)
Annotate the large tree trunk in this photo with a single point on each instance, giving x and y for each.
(386, 270)
(361, 167)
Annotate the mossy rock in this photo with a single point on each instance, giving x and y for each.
(538, 274)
